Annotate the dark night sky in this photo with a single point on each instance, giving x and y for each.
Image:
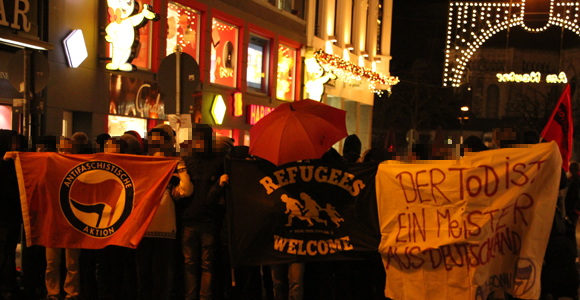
(418, 35)
(419, 30)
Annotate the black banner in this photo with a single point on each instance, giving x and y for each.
(301, 212)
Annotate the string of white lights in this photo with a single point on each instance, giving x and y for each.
(471, 24)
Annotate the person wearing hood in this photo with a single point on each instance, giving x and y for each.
(352, 148)
(200, 214)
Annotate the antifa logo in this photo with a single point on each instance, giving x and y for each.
(96, 198)
(561, 117)
(525, 276)
(308, 210)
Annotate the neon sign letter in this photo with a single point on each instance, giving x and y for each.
(560, 78)
(121, 31)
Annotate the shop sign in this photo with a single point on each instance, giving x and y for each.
(6, 89)
(257, 112)
(75, 48)
(135, 98)
(532, 77)
(355, 85)
(14, 14)
(238, 104)
(285, 76)
(121, 32)
(179, 121)
(218, 109)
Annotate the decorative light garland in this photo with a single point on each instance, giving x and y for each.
(221, 26)
(470, 24)
(348, 71)
(191, 15)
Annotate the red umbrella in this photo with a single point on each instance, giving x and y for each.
(296, 131)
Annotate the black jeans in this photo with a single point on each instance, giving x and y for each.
(8, 240)
(116, 273)
(153, 258)
(199, 250)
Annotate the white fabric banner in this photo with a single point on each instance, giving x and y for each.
(461, 229)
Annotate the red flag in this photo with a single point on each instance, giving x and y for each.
(90, 201)
(560, 127)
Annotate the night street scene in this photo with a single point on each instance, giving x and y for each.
(289, 149)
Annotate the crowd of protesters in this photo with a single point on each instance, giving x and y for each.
(183, 254)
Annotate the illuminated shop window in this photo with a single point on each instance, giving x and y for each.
(286, 73)
(258, 57)
(224, 53)
(183, 29)
(6, 117)
(224, 132)
(118, 125)
(133, 97)
(143, 54)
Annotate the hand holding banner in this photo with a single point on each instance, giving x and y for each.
(89, 201)
(462, 229)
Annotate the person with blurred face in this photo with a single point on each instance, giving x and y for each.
(155, 249)
(116, 264)
(201, 213)
(116, 145)
(53, 255)
(10, 216)
(66, 146)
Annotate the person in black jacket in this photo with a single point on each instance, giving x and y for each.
(201, 215)
(10, 216)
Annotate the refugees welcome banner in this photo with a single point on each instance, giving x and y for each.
(462, 229)
(89, 201)
(301, 212)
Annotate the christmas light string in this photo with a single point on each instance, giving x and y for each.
(348, 71)
(470, 24)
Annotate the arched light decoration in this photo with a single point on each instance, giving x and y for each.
(470, 24)
(348, 71)
(218, 109)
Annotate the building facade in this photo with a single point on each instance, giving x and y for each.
(351, 39)
(515, 88)
(246, 53)
(248, 57)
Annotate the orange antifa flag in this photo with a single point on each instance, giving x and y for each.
(90, 201)
(560, 127)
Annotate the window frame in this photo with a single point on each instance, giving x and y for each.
(297, 76)
(203, 16)
(271, 75)
(198, 28)
(240, 24)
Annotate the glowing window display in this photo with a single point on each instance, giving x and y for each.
(224, 132)
(258, 52)
(118, 125)
(286, 71)
(224, 53)
(6, 117)
(142, 44)
(183, 29)
(143, 57)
